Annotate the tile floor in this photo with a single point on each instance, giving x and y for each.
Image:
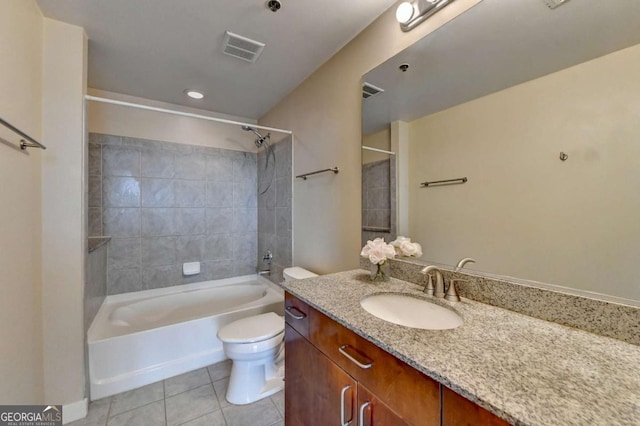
(191, 399)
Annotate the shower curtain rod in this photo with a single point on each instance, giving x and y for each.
(184, 114)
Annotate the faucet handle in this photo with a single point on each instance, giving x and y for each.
(429, 288)
(452, 292)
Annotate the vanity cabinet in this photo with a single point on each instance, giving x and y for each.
(335, 377)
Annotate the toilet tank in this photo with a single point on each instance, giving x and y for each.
(297, 273)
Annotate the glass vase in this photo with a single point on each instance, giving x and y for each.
(380, 272)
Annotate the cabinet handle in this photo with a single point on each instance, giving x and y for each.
(343, 351)
(343, 422)
(294, 313)
(362, 408)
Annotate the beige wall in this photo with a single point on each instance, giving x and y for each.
(380, 140)
(125, 121)
(63, 211)
(523, 212)
(20, 317)
(324, 112)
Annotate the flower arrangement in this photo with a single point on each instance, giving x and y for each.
(377, 251)
(404, 247)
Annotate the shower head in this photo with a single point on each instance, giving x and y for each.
(261, 139)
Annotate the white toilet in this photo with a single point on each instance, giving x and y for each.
(256, 346)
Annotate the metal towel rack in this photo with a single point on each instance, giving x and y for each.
(23, 144)
(332, 169)
(444, 182)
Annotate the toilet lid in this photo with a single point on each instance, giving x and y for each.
(252, 329)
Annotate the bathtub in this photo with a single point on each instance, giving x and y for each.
(143, 337)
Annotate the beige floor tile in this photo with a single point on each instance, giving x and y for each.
(97, 415)
(191, 404)
(149, 415)
(220, 387)
(136, 398)
(220, 370)
(212, 419)
(260, 413)
(184, 382)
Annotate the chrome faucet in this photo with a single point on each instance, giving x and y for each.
(464, 262)
(451, 295)
(438, 291)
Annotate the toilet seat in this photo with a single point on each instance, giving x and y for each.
(252, 329)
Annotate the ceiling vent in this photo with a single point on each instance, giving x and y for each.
(242, 47)
(369, 90)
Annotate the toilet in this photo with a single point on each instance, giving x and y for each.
(255, 345)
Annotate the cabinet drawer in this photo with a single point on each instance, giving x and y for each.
(296, 314)
(413, 396)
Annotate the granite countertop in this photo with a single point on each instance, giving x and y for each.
(525, 370)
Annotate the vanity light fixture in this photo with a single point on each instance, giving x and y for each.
(411, 14)
(194, 94)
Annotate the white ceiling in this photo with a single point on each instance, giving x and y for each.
(495, 45)
(156, 49)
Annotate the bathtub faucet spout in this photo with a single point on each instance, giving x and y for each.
(265, 272)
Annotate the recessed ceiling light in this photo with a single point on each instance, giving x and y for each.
(194, 94)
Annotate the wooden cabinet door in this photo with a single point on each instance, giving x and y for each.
(459, 411)
(373, 412)
(414, 396)
(317, 391)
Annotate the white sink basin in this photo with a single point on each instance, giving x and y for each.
(410, 312)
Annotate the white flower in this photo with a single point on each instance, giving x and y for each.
(404, 247)
(378, 251)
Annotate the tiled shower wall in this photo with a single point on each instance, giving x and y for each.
(274, 207)
(379, 200)
(164, 204)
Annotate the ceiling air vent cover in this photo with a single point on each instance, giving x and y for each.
(369, 90)
(241, 47)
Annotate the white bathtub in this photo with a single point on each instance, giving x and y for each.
(140, 338)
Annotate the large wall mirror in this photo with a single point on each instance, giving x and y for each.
(539, 109)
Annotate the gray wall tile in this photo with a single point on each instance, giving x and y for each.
(160, 276)
(95, 159)
(189, 166)
(283, 222)
(124, 253)
(168, 203)
(120, 160)
(190, 249)
(121, 192)
(245, 195)
(219, 194)
(158, 251)
(159, 163)
(157, 192)
(219, 220)
(245, 169)
(189, 193)
(95, 222)
(158, 222)
(245, 247)
(95, 191)
(190, 221)
(218, 246)
(219, 269)
(267, 221)
(123, 280)
(119, 222)
(245, 220)
(219, 168)
(283, 192)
